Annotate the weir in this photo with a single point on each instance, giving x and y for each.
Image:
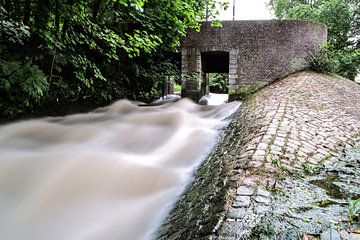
(110, 174)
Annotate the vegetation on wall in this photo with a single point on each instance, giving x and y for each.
(66, 51)
(342, 17)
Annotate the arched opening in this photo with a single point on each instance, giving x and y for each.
(215, 73)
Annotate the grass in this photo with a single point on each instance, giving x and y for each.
(308, 168)
(354, 210)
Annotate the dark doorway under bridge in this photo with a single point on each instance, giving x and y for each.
(215, 72)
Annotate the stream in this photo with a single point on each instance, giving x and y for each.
(109, 174)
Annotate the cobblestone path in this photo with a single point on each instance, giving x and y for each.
(298, 123)
(304, 119)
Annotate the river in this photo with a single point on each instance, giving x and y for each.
(110, 174)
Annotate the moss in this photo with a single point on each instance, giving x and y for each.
(296, 65)
(245, 92)
(273, 227)
(308, 168)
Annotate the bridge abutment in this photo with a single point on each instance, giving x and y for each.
(259, 52)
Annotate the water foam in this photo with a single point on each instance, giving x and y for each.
(110, 174)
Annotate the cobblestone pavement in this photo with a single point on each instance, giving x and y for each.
(290, 127)
(304, 119)
(298, 123)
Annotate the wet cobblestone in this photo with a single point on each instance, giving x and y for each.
(301, 122)
(287, 129)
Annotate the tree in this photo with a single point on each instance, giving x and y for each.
(355, 26)
(95, 50)
(342, 19)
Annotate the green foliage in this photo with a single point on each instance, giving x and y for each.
(341, 56)
(141, 41)
(308, 168)
(193, 76)
(13, 34)
(354, 210)
(150, 74)
(218, 82)
(98, 50)
(22, 83)
(21, 86)
(276, 162)
(177, 87)
(324, 61)
(340, 62)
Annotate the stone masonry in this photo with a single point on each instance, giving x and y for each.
(259, 52)
(295, 124)
(301, 121)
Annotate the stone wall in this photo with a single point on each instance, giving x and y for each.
(259, 52)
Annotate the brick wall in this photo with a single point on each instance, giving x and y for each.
(259, 51)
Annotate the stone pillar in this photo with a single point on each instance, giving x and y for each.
(233, 73)
(191, 74)
(168, 86)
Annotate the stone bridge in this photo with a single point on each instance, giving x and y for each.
(253, 53)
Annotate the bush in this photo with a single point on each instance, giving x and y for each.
(218, 82)
(354, 210)
(177, 87)
(343, 62)
(21, 87)
(324, 61)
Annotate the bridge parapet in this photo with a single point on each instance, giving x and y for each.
(259, 52)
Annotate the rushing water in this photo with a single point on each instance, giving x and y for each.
(109, 174)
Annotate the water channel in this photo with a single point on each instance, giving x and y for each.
(110, 174)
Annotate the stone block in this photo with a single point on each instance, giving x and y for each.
(236, 213)
(245, 191)
(242, 201)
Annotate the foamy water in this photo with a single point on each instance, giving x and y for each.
(111, 174)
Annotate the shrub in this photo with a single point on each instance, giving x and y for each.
(218, 82)
(21, 87)
(343, 62)
(354, 210)
(324, 61)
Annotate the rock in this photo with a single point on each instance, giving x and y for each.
(242, 201)
(248, 182)
(245, 191)
(256, 163)
(354, 236)
(236, 213)
(204, 100)
(262, 146)
(261, 199)
(262, 192)
(330, 234)
(261, 209)
(344, 234)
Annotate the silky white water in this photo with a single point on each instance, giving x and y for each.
(111, 174)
